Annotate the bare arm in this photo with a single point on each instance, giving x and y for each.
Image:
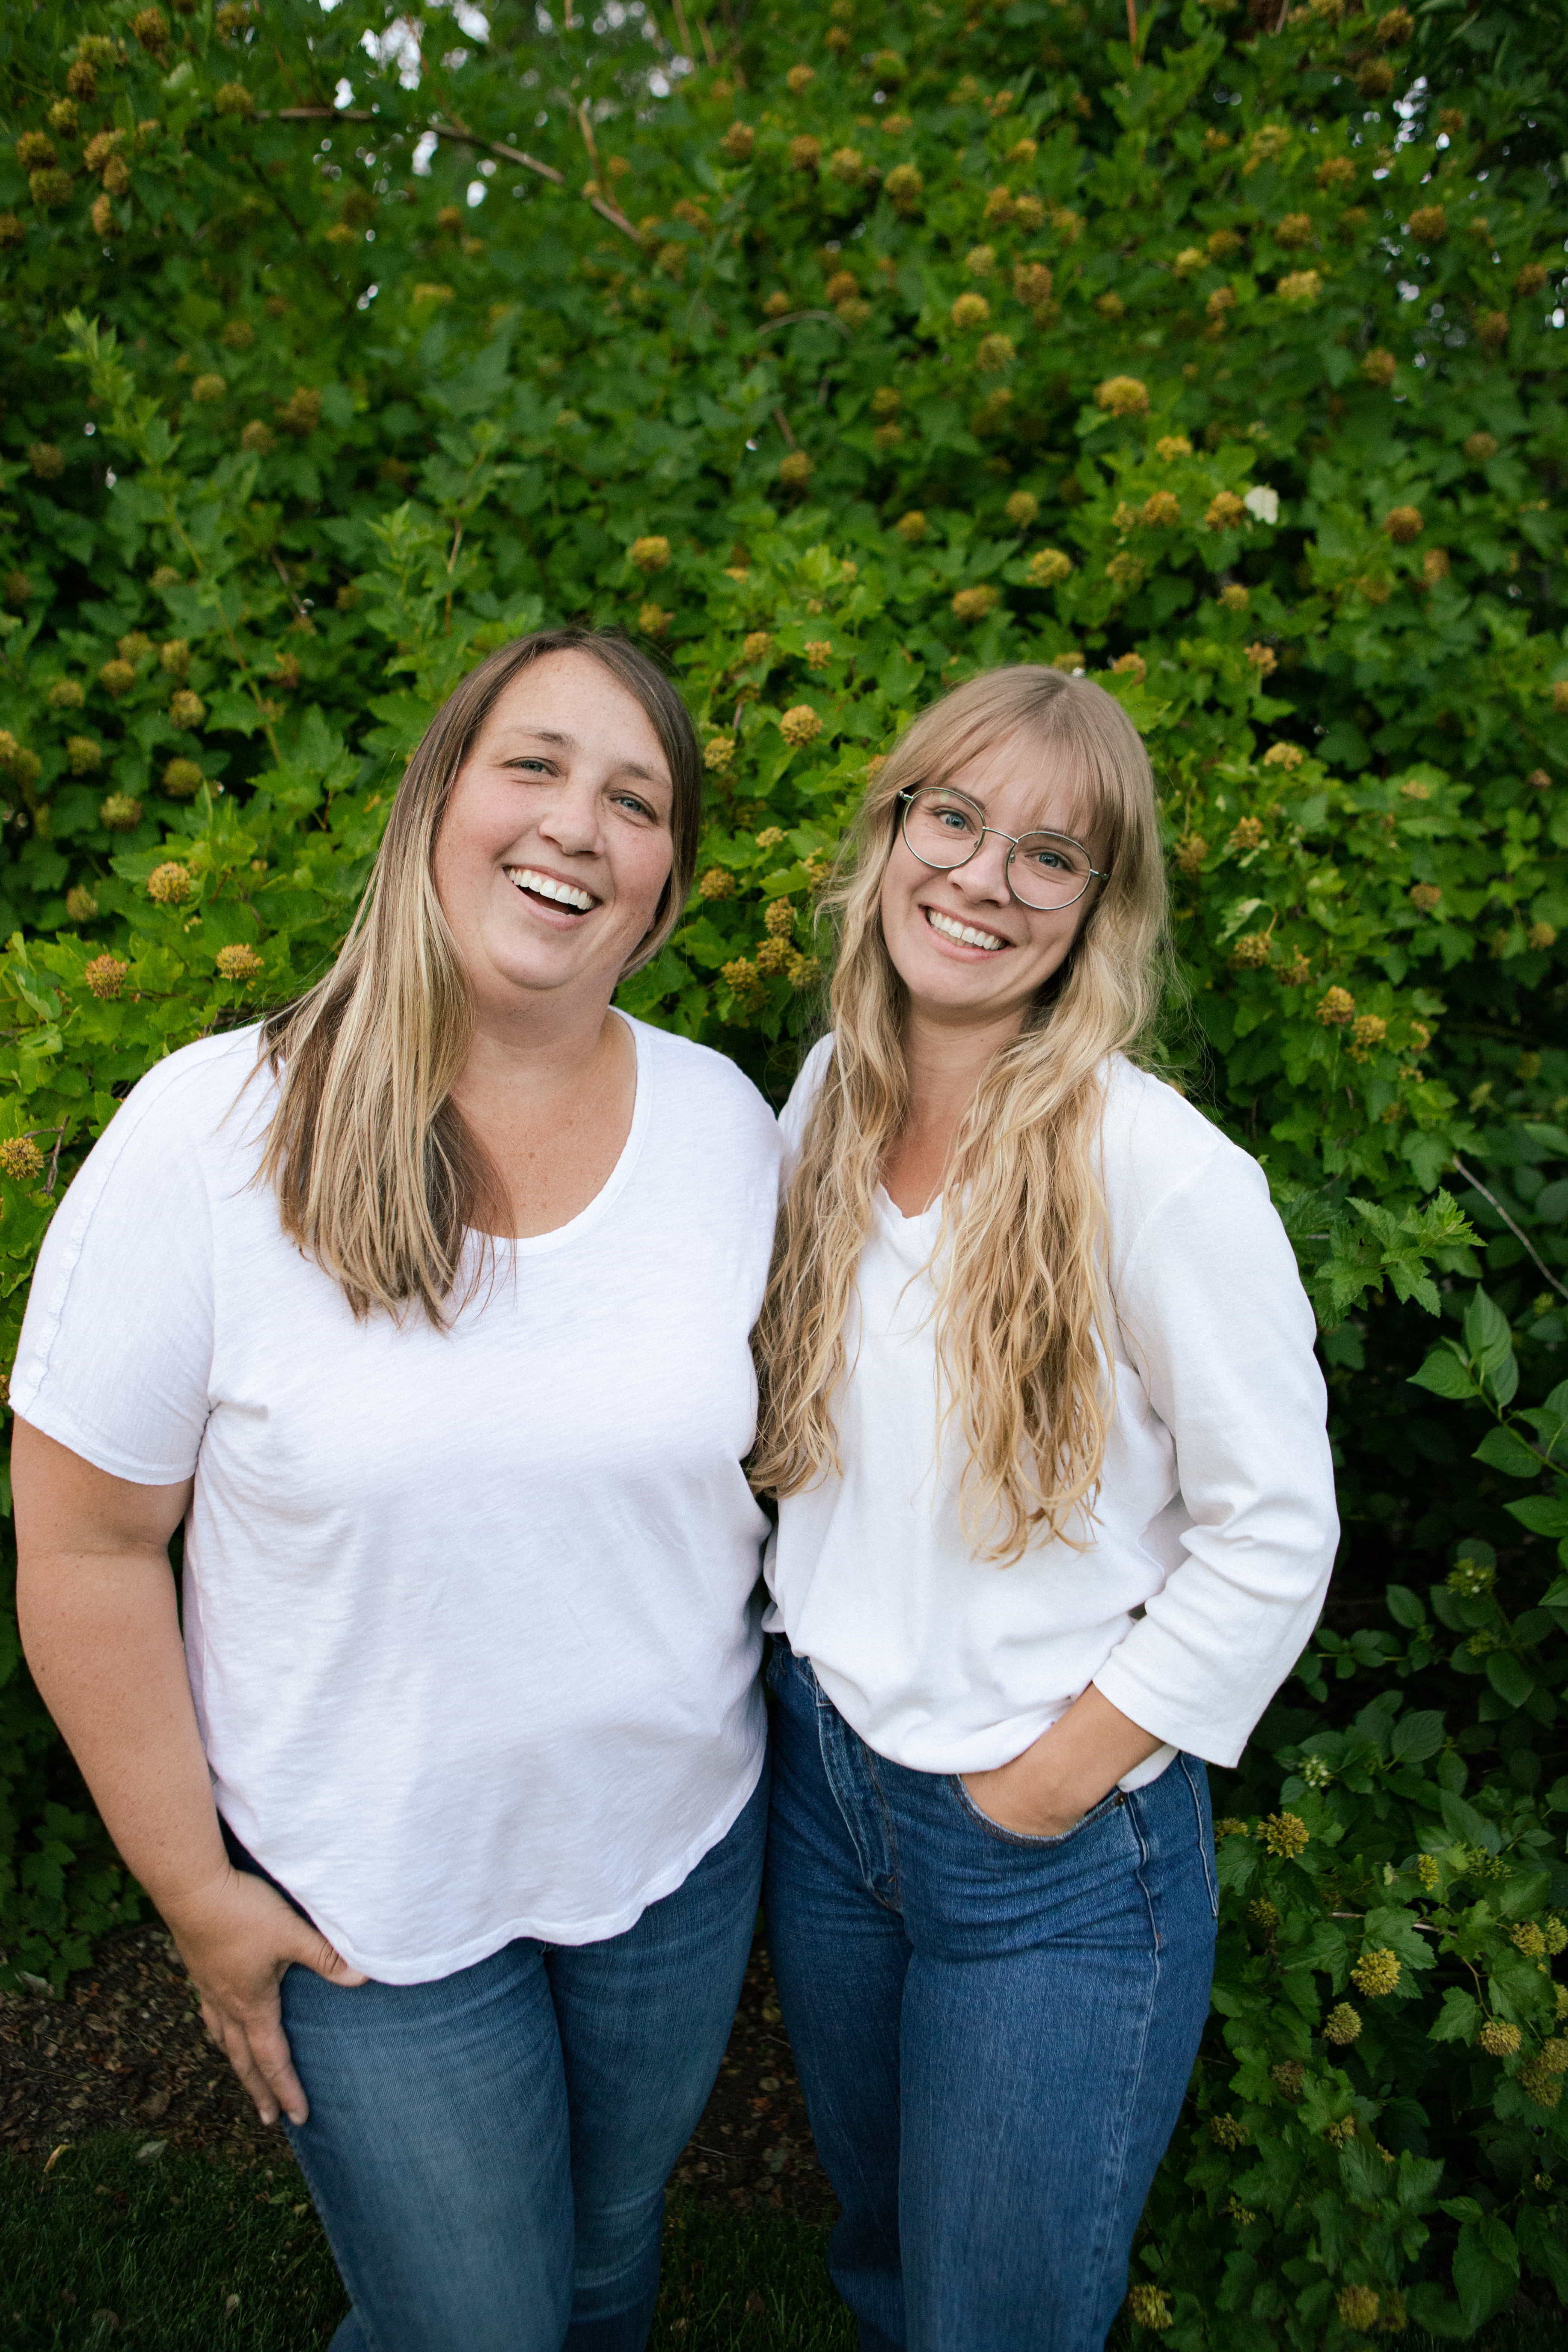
(95, 1598)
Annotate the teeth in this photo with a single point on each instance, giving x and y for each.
(562, 893)
(964, 933)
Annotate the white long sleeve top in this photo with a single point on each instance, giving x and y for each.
(1213, 1530)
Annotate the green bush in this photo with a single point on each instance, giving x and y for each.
(838, 354)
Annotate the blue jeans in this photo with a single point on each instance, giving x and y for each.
(488, 2153)
(993, 2031)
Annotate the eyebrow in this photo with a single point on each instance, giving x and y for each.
(569, 743)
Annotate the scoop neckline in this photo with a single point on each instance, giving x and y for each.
(895, 1216)
(614, 1184)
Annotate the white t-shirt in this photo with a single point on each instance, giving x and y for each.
(1215, 1527)
(470, 1616)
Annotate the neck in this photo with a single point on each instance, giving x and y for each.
(535, 1045)
(946, 1060)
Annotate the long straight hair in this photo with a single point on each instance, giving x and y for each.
(1022, 1314)
(376, 1175)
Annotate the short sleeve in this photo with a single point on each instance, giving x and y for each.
(115, 1355)
(796, 1113)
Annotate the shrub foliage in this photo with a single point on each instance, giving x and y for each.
(838, 353)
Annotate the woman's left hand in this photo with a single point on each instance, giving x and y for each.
(1048, 1790)
(1027, 1804)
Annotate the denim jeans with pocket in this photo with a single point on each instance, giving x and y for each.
(488, 2153)
(993, 2031)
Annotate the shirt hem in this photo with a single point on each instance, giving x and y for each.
(429, 1968)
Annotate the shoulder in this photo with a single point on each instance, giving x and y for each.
(709, 1085)
(797, 1110)
(194, 1091)
(1157, 1147)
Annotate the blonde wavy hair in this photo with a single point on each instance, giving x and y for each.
(376, 1175)
(1023, 1316)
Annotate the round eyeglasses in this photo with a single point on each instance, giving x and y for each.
(1048, 871)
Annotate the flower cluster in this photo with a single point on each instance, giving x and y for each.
(169, 885)
(21, 1159)
(800, 725)
(1284, 1836)
(1377, 1972)
(105, 975)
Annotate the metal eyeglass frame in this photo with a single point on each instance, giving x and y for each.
(1014, 840)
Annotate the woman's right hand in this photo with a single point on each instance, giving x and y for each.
(237, 1935)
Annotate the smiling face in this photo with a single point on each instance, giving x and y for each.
(555, 846)
(967, 951)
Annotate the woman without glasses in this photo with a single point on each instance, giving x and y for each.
(424, 1311)
(1056, 1518)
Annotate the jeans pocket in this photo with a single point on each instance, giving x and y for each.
(1003, 1835)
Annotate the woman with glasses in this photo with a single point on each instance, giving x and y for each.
(422, 1309)
(1056, 1518)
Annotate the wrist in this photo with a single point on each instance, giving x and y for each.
(189, 1896)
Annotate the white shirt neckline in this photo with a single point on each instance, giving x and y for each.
(614, 1184)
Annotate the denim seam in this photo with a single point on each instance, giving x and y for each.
(1204, 1851)
(1092, 2292)
(829, 1729)
(893, 1899)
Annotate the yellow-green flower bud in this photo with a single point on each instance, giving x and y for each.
(800, 725)
(105, 976)
(169, 885)
(21, 1159)
(1377, 1972)
(1122, 395)
(1284, 1836)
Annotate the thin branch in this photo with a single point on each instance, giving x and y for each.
(781, 421)
(608, 211)
(300, 611)
(585, 126)
(1522, 1239)
(1132, 28)
(794, 318)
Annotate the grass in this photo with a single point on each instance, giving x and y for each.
(174, 2252)
(183, 2254)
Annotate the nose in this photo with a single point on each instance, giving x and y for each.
(571, 819)
(984, 876)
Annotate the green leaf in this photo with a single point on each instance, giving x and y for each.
(1445, 1373)
(1457, 2018)
(1415, 1738)
(1509, 1677)
(1485, 2268)
(1500, 1449)
(1404, 1607)
(1462, 1822)
(1543, 1514)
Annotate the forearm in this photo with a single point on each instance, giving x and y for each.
(102, 1638)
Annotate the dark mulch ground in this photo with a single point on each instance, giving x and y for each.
(123, 2049)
